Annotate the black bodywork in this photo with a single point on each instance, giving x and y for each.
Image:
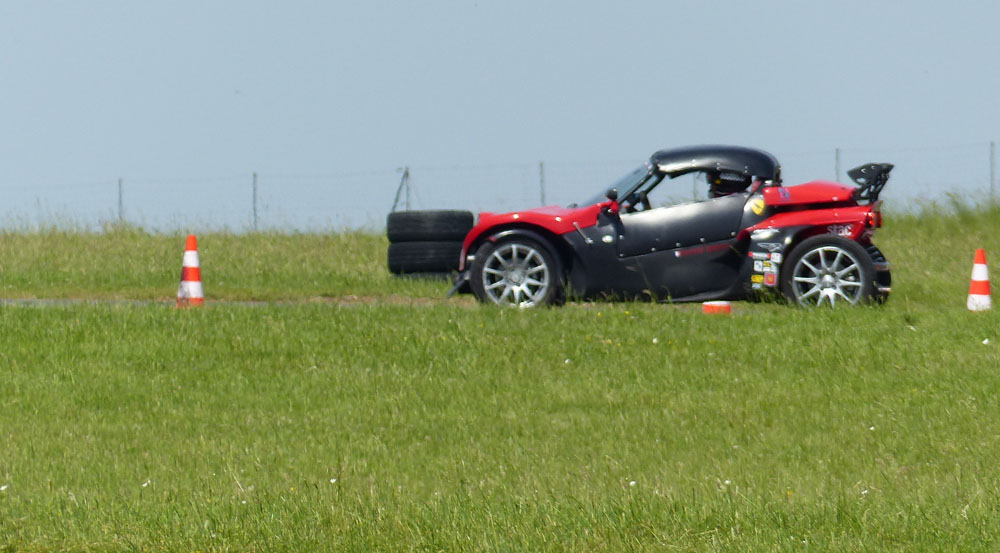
(705, 255)
(704, 259)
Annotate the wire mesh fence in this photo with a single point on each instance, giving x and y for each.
(361, 200)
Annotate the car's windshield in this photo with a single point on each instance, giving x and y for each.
(623, 185)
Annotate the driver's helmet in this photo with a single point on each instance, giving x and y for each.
(724, 184)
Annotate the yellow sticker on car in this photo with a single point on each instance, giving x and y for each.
(757, 205)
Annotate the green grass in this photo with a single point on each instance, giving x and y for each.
(931, 254)
(441, 426)
(129, 263)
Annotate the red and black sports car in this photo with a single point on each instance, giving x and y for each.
(752, 236)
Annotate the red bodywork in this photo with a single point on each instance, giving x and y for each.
(813, 192)
(555, 219)
(849, 220)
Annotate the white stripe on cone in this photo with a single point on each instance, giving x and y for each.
(190, 258)
(190, 289)
(978, 302)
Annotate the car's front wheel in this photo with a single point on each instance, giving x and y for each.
(516, 272)
(828, 270)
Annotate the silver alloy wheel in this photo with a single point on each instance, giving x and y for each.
(516, 274)
(827, 273)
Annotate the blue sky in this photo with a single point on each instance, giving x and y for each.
(324, 99)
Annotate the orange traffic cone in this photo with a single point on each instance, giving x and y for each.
(716, 307)
(190, 292)
(979, 289)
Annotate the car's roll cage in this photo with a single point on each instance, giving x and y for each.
(747, 165)
(748, 162)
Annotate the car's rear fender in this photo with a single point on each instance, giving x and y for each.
(783, 239)
(771, 245)
(850, 222)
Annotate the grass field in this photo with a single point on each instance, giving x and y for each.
(361, 412)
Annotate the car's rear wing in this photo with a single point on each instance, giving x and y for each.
(870, 178)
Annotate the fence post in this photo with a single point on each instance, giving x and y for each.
(541, 179)
(404, 183)
(121, 209)
(255, 201)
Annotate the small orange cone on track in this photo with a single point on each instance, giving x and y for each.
(979, 289)
(190, 292)
(716, 307)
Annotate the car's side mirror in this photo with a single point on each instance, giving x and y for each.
(611, 206)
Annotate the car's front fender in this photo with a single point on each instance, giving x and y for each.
(542, 236)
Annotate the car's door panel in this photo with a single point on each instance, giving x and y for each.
(689, 271)
(686, 249)
(680, 226)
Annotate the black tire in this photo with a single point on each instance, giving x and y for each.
(428, 226)
(828, 269)
(883, 277)
(424, 257)
(517, 272)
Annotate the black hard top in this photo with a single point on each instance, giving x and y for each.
(724, 159)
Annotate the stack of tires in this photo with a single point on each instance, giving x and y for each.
(426, 241)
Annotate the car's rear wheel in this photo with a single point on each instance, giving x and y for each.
(828, 270)
(516, 272)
